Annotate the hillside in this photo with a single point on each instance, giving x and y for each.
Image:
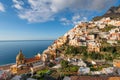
(89, 40)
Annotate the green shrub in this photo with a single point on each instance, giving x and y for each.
(64, 63)
(74, 69)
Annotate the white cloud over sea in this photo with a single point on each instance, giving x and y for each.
(2, 8)
(48, 10)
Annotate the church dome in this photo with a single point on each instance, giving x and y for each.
(20, 56)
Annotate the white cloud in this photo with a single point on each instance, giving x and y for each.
(18, 4)
(65, 21)
(76, 17)
(74, 20)
(46, 10)
(2, 8)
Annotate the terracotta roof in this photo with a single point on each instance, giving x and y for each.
(117, 64)
(87, 78)
(34, 59)
(114, 78)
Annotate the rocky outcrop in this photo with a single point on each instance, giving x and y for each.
(113, 13)
(113, 10)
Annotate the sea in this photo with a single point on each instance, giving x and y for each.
(10, 49)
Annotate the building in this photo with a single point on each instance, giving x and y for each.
(108, 70)
(81, 63)
(24, 65)
(88, 78)
(4, 74)
(114, 36)
(114, 78)
(93, 47)
(91, 78)
(116, 63)
(84, 70)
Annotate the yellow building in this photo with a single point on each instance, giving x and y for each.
(23, 65)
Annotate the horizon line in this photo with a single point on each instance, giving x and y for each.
(29, 40)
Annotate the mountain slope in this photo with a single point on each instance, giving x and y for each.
(113, 13)
(94, 40)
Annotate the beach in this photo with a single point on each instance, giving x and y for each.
(6, 67)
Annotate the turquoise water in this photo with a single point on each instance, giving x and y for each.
(9, 49)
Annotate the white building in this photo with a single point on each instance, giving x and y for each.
(108, 70)
(84, 70)
(96, 72)
(37, 66)
(81, 63)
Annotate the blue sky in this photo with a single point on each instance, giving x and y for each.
(46, 19)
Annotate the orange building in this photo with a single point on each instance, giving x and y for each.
(116, 63)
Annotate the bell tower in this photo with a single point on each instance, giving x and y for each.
(20, 58)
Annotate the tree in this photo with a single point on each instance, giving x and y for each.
(64, 63)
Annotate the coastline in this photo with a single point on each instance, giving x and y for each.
(30, 48)
(6, 66)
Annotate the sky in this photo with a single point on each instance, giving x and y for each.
(46, 19)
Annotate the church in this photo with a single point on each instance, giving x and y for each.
(25, 65)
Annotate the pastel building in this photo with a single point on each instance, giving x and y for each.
(93, 47)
